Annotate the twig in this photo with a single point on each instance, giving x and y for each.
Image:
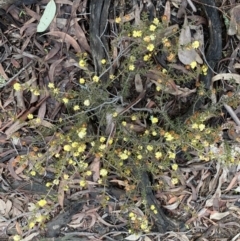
(232, 113)
(16, 75)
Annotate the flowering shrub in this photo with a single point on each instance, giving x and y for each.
(99, 127)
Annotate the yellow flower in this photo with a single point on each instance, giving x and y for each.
(95, 78)
(103, 61)
(131, 67)
(115, 114)
(164, 40)
(111, 77)
(48, 184)
(155, 21)
(154, 133)
(30, 116)
(86, 102)
(82, 183)
(164, 71)
(70, 161)
(133, 118)
(152, 36)
(204, 69)
(82, 63)
(152, 28)
(124, 123)
(195, 126)
(131, 215)
(123, 156)
(56, 91)
(149, 147)
(42, 203)
(201, 127)
(76, 107)
(17, 238)
(118, 20)
(158, 88)
(81, 80)
(17, 86)
(39, 218)
(195, 44)
(55, 181)
(152, 207)
(205, 143)
(82, 148)
(174, 166)
(33, 173)
(150, 47)
(102, 139)
(65, 176)
(146, 57)
(31, 225)
(88, 173)
(67, 148)
(82, 133)
(38, 120)
(168, 136)
(65, 100)
(103, 172)
(171, 155)
(174, 181)
(51, 85)
(154, 120)
(36, 92)
(158, 155)
(137, 33)
(193, 64)
(139, 157)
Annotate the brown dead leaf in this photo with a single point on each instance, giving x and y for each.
(20, 100)
(81, 37)
(10, 167)
(2, 207)
(187, 55)
(21, 168)
(234, 180)
(53, 51)
(51, 72)
(218, 216)
(2, 73)
(138, 83)
(61, 194)
(95, 167)
(19, 229)
(167, 12)
(172, 206)
(30, 237)
(14, 127)
(234, 27)
(66, 38)
(8, 208)
(227, 76)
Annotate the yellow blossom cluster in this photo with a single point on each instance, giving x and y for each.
(201, 127)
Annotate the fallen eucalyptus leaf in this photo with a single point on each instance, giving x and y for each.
(47, 16)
